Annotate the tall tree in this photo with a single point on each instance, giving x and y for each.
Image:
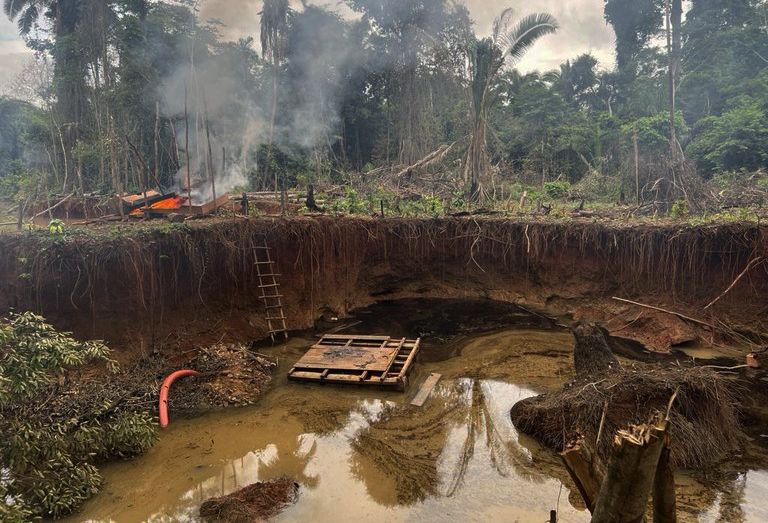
(408, 34)
(635, 22)
(486, 58)
(69, 62)
(274, 43)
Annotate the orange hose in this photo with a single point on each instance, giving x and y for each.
(166, 387)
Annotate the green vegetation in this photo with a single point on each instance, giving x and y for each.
(331, 100)
(53, 430)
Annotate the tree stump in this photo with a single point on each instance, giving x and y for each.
(592, 355)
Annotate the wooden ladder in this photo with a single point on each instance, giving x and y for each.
(270, 291)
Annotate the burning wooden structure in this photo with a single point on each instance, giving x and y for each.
(174, 204)
(379, 361)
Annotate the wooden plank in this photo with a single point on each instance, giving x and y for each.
(346, 358)
(343, 337)
(395, 353)
(426, 389)
(409, 361)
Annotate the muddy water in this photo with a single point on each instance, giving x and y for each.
(369, 455)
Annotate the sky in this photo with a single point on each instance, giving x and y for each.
(582, 29)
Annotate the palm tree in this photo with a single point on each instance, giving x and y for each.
(274, 43)
(487, 57)
(65, 15)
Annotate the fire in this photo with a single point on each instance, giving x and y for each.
(169, 203)
(174, 202)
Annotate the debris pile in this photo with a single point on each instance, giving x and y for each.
(257, 502)
(231, 376)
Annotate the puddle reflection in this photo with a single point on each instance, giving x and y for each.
(370, 455)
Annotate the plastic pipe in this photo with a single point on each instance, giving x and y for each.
(166, 387)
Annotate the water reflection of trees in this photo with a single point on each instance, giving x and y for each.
(291, 461)
(427, 452)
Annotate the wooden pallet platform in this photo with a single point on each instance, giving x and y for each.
(379, 361)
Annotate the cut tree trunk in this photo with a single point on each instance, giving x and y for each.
(664, 498)
(631, 473)
(585, 468)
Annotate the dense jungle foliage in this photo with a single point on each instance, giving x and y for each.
(323, 97)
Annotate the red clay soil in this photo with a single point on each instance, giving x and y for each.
(169, 289)
(257, 502)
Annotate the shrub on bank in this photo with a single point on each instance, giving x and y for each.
(53, 430)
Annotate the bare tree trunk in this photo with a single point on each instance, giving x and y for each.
(82, 186)
(585, 468)
(637, 167)
(275, 86)
(211, 169)
(476, 162)
(186, 148)
(157, 142)
(664, 498)
(114, 165)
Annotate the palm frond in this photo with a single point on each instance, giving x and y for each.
(502, 23)
(27, 19)
(528, 30)
(12, 8)
(274, 24)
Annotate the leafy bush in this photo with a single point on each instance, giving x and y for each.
(736, 140)
(17, 182)
(49, 457)
(680, 209)
(351, 203)
(653, 131)
(557, 190)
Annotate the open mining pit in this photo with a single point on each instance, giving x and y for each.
(491, 300)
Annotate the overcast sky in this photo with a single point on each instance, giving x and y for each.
(582, 29)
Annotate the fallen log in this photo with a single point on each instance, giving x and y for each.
(53, 207)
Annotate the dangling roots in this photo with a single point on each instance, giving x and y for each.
(704, 418)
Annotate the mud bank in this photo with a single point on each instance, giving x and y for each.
(169, 288)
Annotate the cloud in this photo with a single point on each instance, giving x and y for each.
(582, 27)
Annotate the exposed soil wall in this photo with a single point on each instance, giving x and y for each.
(173, 287)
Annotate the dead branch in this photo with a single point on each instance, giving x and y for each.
(53, 207)
(681, 316)
(432, 158)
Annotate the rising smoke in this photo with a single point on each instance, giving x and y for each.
(238, 121)
(321, 63)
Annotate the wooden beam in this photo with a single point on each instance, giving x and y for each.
(426, 389)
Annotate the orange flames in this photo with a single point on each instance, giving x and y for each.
(169, 203)
(174, 202)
